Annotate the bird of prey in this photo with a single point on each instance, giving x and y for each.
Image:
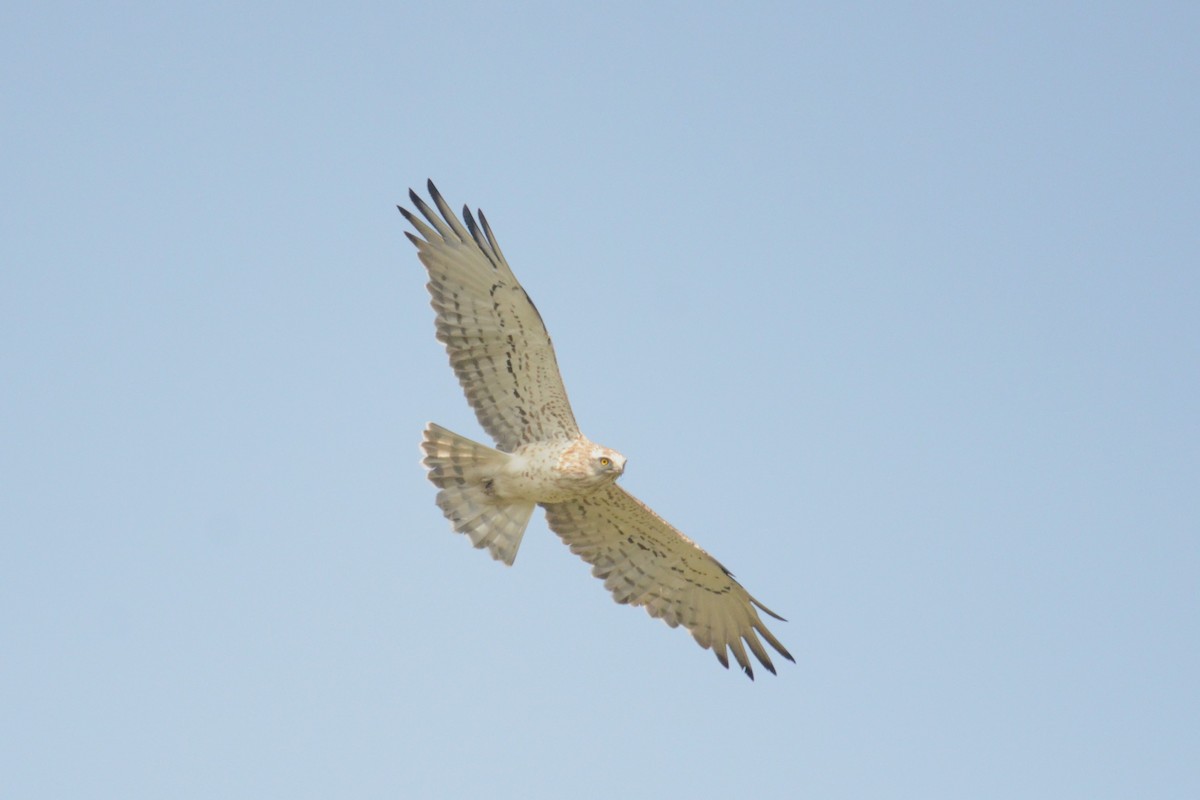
(503, 357)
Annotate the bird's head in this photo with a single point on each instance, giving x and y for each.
(607, 463)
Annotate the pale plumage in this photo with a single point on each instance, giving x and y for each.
(503, 357)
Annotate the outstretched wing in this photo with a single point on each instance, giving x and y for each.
(498, 345)
(644, 561)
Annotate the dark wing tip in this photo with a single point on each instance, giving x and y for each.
(483, 242)
(433, 191)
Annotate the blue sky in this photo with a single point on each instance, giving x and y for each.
(893, 309)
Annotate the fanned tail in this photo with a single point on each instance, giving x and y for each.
(463, 471)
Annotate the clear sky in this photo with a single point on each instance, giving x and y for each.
(892, 307)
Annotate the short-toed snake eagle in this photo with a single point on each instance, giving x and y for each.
(502, 355)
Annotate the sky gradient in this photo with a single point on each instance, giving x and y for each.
(894, 311)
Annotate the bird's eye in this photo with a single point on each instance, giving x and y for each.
(605, 461)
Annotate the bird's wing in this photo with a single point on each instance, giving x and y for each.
(644, 561)
(496, 339)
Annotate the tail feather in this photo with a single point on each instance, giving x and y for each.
(462, 470)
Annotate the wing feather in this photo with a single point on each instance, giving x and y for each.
(644, 561)
(497, 342)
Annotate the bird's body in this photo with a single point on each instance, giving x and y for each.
(554, 472)
(503, 357)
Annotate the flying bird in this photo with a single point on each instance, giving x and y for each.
(503, 357)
